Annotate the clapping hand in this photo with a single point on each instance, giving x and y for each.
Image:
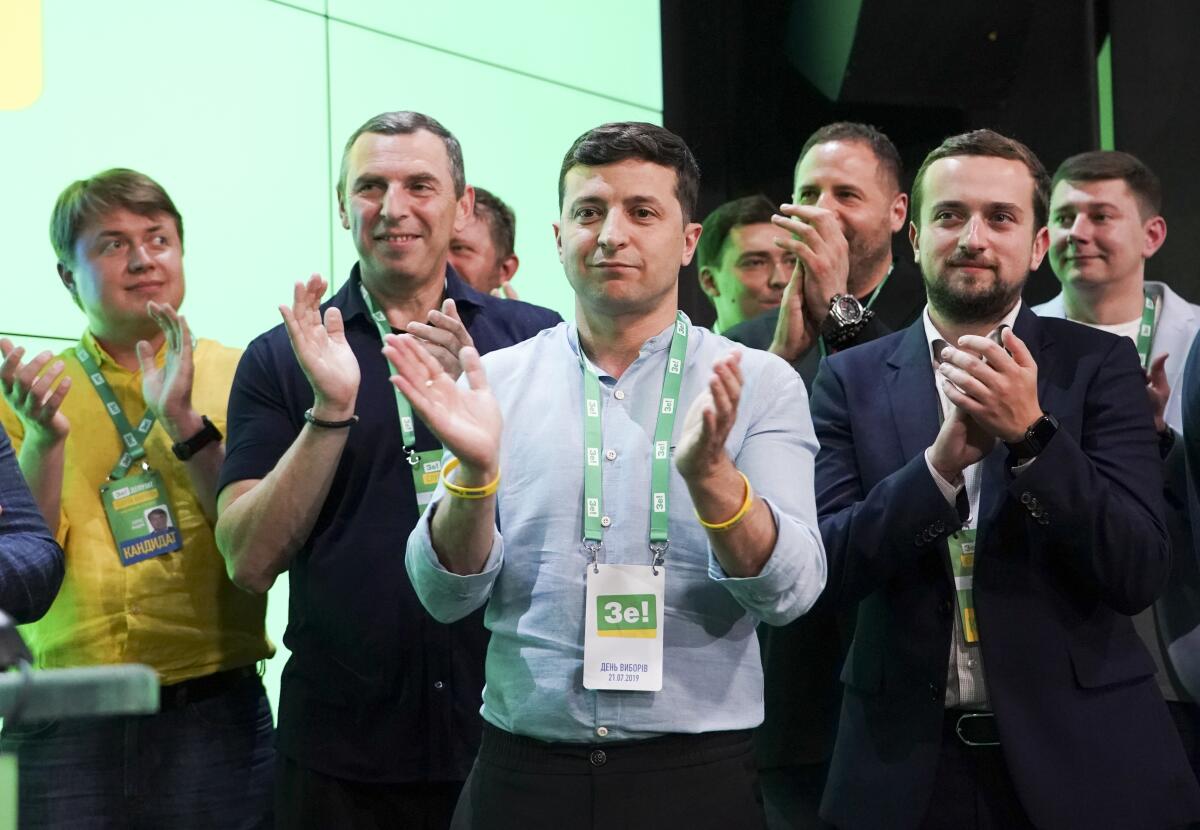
(322, 350)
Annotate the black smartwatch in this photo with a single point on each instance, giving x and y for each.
(184, 450)
(846, 318)
(1036, 437)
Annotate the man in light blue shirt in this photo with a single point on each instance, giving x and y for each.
(722, 523)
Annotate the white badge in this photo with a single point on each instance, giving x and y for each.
(622, 642)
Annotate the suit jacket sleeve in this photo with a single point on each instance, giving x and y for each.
(1101, 495)
(870, 534)
(31, 562)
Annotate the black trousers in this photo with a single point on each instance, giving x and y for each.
(693, 781)
(972, 789)
(312, 800)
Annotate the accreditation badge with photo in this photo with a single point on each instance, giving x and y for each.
(140, 517)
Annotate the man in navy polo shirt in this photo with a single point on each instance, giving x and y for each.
(327, 471)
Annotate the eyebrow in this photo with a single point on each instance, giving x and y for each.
(108, 233)
(991, 206)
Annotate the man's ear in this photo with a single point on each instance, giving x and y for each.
(1041, 244)
(508, 267)
(68, 280)
(708, 283)
(691, 235)
(342, 214)
(1155, 231)
(558, 239)
(914, 235)
(465, 209)
(899, 211)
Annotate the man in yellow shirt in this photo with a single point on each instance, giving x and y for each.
(124, 425)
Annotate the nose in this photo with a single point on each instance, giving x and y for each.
(972, 237)
(613, 234)
(1079, 228)
(139, 259)
(394, 205)
(781, 273)
(825, 200)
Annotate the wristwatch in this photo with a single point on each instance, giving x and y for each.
(1036, 437)
(186, 449)
(845, 319)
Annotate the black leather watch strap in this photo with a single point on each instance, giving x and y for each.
(184, 450)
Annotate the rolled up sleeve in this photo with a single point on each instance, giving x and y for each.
(777, 456)
(447, 596)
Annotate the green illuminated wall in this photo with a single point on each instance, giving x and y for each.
(240, 109)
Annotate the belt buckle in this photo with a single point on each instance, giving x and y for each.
(958, 728)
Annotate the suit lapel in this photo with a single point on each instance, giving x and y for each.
(911, 393)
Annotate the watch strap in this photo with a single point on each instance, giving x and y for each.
(208, 434)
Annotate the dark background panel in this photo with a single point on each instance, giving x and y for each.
(746, 83)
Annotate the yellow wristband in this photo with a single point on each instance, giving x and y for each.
(467, 492)
(720, 527)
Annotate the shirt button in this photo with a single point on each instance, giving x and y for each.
(970, 662)
(935, 692)
(605, 521)
(610, 454)
(598, 758)
(602, 731)
(437, 684)
(619, 395)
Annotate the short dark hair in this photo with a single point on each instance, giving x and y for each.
(87, 200)
(501, 221)
(620, 140)
(885, 151)
(992, 144)
(405, 122)
(1099, 165)
(749, 210)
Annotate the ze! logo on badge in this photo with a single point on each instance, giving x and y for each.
(20, 53)
(626, 615)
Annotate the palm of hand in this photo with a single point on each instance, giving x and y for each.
(168, 388)
(467, 421)
(330, 366)
(696, 450)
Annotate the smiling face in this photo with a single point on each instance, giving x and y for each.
(750, 275)
(976, 238)
(1098, 237)
(121, 261)
(622, 239)
(845, 177)
(399, 205)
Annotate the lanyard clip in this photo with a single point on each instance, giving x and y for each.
(413, 458)
(659, 549)
(592, 549)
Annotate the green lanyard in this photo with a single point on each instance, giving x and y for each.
(1149, 325)
(870, 302)
(407, 434)
(660, 468)
(133, 439)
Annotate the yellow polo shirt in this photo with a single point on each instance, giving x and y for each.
(178, 613)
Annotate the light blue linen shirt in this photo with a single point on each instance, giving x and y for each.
(534, 582)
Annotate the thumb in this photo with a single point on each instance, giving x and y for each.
(450, 309)
(334, 324)
(145, 356)
(1158, 370)
(472, 367)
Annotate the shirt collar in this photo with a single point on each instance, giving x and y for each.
(454, 288)
(658, 343)
(106, 361)
(932, 334)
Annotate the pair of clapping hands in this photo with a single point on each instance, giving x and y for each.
(35, 389)
(822, 270)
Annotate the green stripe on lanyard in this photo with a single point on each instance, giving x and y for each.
(133, 439)
(870, 302)
(1145, 336)
(660, 467)
(407, 434)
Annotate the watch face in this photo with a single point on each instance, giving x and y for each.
(847, 309)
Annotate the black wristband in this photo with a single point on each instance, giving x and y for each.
(317, 422)
(184, 450)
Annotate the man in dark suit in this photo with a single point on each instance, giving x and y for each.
(995, 678)
(848, 204)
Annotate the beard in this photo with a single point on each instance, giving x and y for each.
(969, 304)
